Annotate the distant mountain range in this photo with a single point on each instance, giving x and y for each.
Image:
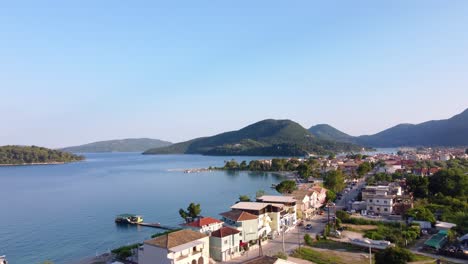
(447, 132)
(268, 137)
(119, 145)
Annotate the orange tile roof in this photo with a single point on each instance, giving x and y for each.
(175, 239)
(224, 232)
(205, 221)
(238, 215)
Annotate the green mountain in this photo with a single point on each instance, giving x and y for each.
(119, 145)
(447, 132)
(327, 132)
(268, 137)
(23, 155)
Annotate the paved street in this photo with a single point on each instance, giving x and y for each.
(291, 240)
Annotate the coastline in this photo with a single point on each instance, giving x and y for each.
(37, 163)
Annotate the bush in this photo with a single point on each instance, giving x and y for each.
(281, 255)
(393, 255)
(124, 252)
(342, 215)
(308, 239)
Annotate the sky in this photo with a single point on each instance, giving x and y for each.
(73, 72)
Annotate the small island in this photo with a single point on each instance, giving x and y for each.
(33, 155)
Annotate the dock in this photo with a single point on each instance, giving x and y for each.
(155, 225)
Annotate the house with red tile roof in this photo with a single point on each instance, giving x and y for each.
(244, 222)
(204, 225)
(225, 244)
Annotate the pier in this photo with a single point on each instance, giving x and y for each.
(155, 225)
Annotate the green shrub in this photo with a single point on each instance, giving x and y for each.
(308, 239)
(393, 255)
(281, 255)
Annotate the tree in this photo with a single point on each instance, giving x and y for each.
(259, 193)
(331, 196)
(231, 165)
(450, 182)
(286, 186)
(304, 170)
(364, 168)
(193, 210)
(418, 185)
(334, 180)
(422, 214)
(393, 255)
(244, 198)
(278, 164)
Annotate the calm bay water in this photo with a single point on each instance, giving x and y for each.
(66, 212)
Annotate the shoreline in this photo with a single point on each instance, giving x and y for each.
(38, 163)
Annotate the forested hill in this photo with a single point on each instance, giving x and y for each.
(119, 145)
(265, 138)
(23, 155)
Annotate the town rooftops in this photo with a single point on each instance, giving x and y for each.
(276, 199)
(224, 232)
(238, 216)
(203, 221)
(175, 239)
(253, 206)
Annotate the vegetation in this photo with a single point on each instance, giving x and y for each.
(327, 132)
(364, 168)
(193, 210)
(244, 198)
(393, 255)
(264, 138)
(308, 240)
(119, 145)
(422, 214)
(18, 155)
(122, 253)
(286, 186)
(281, 255)
(334, 180)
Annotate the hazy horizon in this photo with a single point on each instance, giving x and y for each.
(75, 73)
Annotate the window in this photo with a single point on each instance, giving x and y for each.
(370, 201)
(370, 208)
(377, 201)
(194, 249)
(385, 209)
(384, 202)
(225, 242)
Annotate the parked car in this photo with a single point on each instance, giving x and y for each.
(335, 233)
(308, 226)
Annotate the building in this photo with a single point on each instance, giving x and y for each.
(303, 204)
(245, 222)
(386, 199)
(225, 243)
(288, 216)
(268, 215)
(183, 246)
(204, 225)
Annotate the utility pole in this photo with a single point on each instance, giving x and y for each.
(282, 229)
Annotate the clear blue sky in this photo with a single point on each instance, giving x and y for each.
(72, 72)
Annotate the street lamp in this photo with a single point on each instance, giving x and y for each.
(367, 241)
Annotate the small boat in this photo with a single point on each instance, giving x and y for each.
(3, 260)
(127, 219)
(273, 186)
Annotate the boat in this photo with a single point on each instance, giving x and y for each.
(3, 260)
(127, 219)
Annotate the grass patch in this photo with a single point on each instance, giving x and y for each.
(315, 256)
(334, 245)
(417, 257)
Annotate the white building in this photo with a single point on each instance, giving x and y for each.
(225, 244)
(183, 246)
(380, 199)
(204, 225)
